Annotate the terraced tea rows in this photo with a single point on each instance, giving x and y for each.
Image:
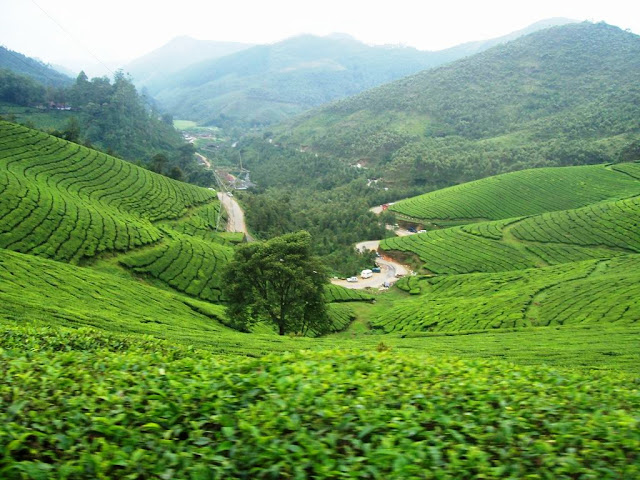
(607, 224)
(527, 192)
(602, 230)
(187, 264)
(336, 293)
(63, 201)
(42, 291)
(600, 291)
(631, 169)
(454, 251)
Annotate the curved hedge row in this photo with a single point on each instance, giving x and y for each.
(187, 264)
(64, 201)
(606, 224)
(527, 192)
(597, 292)
(454, 251)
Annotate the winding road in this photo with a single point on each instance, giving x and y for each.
(235, 215)
(389, 270)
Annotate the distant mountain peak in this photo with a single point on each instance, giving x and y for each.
(341, 36)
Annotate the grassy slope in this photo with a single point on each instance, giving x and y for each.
(39, 293)
(528, 192)
(69, 203)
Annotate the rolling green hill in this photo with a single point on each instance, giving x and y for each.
(65, 202)
(601, 230)
(70, 203)
(593, 292)
(527, 192)
(563, 96)
(267, 83)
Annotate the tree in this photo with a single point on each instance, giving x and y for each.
(277, 281)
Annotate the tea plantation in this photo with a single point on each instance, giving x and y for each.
(64, 201)
(93, 410)
(519, 359)
(594, 292)
(601, 230)
(527, 192)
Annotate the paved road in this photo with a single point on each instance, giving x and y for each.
(235, 215)
(388, 270)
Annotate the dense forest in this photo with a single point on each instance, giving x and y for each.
(302, 191)
(32, 68)
(564, 96)
(108, 115)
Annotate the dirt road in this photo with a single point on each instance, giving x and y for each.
(388, 270)
(203, 160)
(235, 215)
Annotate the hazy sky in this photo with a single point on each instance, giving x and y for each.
(116, 31)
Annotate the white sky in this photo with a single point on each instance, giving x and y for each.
(116, 31)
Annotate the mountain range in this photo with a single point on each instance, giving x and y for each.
(33, 68)
(565, 95)
(266, 83)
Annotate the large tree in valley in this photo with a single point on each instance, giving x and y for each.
(277, 281)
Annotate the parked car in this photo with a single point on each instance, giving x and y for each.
(352, 279)
(375, 269)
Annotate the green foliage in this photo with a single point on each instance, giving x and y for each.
(187, 264)
(32, 69)
(336, 293)
(278, 281)
(36, 290)
(602, 230)
(66, 202)
(19, 89)
(563, 96)
(299, 191)
(604, 224)
(593, 292)
(527, 192)
(94, 413)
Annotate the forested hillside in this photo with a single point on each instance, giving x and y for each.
(32, 68)
(564, 96)
(152, 69)
(268, 83)
(99, 113)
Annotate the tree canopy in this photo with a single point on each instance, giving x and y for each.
(277, 281)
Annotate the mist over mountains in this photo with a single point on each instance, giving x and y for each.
(265, 84)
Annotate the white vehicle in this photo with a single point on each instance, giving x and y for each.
(352, 279)
(366, 273)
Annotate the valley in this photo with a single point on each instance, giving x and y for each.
(433, 272)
